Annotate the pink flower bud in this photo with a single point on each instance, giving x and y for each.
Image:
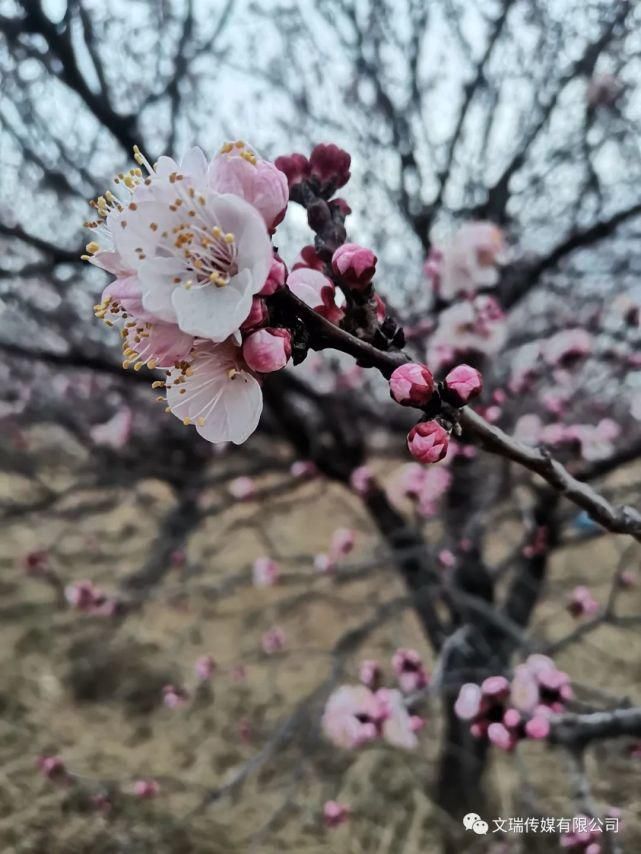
(412, 384)
(537, 727)
(330, 164)
(495, 686)
(303, 469)
(295, 166)
(205, 667)
(582, 603)
(342, 542)
(174, 698)
(267, 350)
(501, 736)
(265, 572)
(273, 640)
(511, 718)
(335, 814)
(468, 702)
(258, 315)
(427, 442)
(52, 767)
(275, 278)
(370, 673)
(478, 729)
(146, 789)
(324, 563)
(239, 171)
(462, 384)
(84, 596)
(409, 670)
(446, 557)
(355, 264)
(362, 480)
(628, 578)
(242, 488)
(36, 562)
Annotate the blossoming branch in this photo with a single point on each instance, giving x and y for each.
(197, 280)
(201, 292)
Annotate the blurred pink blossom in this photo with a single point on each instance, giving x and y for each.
(115, 432)
(242, 488)
(273, 640)
(468, 261)
(581, 602)
(352, 716)
(409, 670)
(370, 673)
(265, 572)
(146, 788)
(335, 814)
(205, 667)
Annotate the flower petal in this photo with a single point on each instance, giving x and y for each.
(211, 312)
(223, 401)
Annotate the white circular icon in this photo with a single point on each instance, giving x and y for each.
(469, 819)
(473, 821)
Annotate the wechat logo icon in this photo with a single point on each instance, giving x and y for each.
(472, 821)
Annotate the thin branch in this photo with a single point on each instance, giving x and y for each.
(573, 730)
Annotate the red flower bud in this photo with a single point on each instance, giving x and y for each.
(412, 384)
(427, 442)
(295, 166)
(462, 384)
(355, 264)
(330, 164)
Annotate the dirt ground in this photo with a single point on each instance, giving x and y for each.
(90, 688)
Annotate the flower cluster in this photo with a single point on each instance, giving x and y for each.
(409, 670)
(358, 714)
(341, 544)
(355, 715)
(201, 293)
(85, 596)
(189, 246)
(423, 486)
(467, 262)
(412, 384)
(594, 442)
(474, 325)
(505, 712)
